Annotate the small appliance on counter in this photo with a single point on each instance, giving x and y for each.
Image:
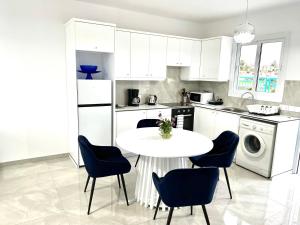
(133, 97)
(152, 100)
(217, 101)
(201, 97)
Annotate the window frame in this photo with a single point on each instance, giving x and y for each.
(278, 95)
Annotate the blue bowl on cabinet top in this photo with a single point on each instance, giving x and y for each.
(88, 68)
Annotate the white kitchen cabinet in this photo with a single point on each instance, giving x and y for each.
(216, 59)
(94, 37)
(139, 55)
(173, 51)
(127, 120)
(226, 121)
(157, 57)
(159, 113)
(193, 71)
(204, 120)
(212, 123)
(179, 52)
(122, 55)
(185, 52)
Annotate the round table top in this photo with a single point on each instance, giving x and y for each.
(148, 142)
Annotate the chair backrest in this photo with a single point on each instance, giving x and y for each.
(88, 156)
(227, 143)
(148, 123)
(185, 187)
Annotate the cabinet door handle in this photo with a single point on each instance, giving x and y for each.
(246, 125)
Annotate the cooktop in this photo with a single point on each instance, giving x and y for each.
(177, 105)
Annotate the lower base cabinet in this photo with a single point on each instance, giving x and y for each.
(126, 120)
(212, 123)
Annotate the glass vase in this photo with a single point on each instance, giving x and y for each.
(166, 135)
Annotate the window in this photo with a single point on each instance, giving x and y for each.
(258, 69)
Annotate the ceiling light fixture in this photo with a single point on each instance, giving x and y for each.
(245, 32)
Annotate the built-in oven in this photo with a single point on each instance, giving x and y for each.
(184, 117)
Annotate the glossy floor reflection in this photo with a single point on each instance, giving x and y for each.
(50, 192)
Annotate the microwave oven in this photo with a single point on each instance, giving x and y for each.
(201, 97)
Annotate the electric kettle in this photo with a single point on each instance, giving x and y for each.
(152, 99)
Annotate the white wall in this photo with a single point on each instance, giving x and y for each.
(32, 77)
(282, 20)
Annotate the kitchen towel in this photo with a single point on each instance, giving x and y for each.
(180, 120)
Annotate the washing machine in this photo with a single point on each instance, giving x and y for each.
(256, 146)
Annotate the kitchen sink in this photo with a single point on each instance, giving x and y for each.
(233, 109)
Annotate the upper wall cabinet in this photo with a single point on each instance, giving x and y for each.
(157, 57)
(193, 71)
(94, 37)
(216, 59)
(122, 55)
(179, 52)
(140, 56)
(211, 60)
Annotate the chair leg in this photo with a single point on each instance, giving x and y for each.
(205, 215)
(228, 184)
(157, 206)
(191, 210)
(91, 195)
(124, 188)
(119, 181)
(137, 160)
(170, 215)
(87, 182)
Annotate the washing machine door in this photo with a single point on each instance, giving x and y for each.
(253, 144)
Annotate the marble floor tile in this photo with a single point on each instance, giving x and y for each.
(50, 192)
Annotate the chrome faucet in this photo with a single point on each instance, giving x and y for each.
(248, 92)
(251, 97)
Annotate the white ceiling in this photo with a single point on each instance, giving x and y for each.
(195, 10)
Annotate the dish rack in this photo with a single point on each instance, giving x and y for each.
(264, 110)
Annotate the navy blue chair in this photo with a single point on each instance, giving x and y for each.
(221, 155)
(146, 123)
(186, 187)
(102, 161)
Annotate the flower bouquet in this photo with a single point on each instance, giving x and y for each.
(165, 128)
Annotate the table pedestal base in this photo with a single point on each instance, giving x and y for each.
(145, 191)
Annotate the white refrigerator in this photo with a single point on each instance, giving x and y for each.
(94, 112)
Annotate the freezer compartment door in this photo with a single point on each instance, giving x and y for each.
(95, 123)
(94, 92)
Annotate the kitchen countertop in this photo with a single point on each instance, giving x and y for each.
(271, 119)
(141, 107)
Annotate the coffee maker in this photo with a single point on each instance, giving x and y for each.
(133, 97)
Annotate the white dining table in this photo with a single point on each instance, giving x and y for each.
(160, 155)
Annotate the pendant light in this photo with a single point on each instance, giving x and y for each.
(245, 32)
